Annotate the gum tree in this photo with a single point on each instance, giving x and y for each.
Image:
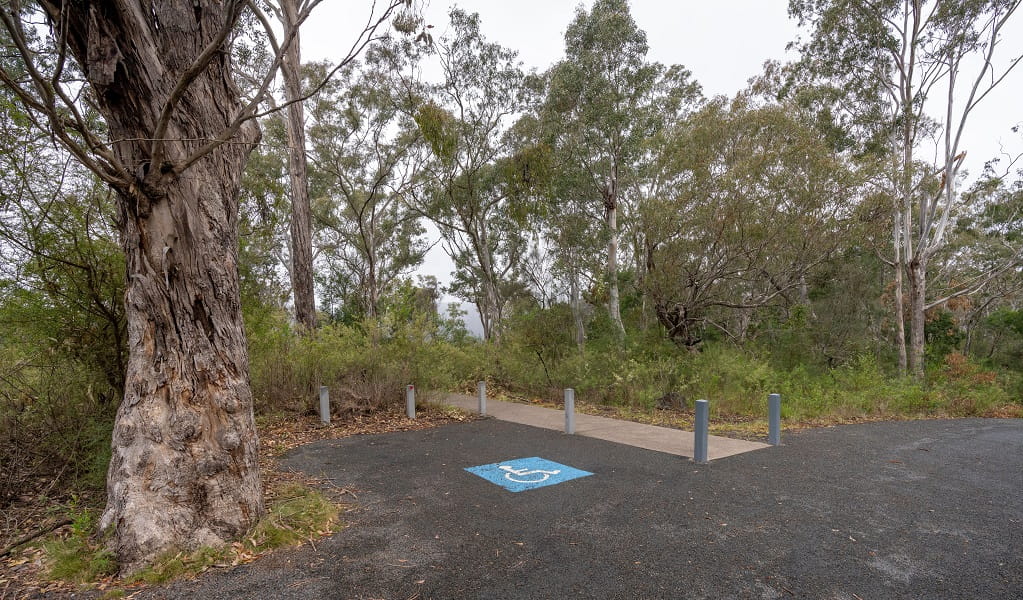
(750, 201)
(174, 139)
(596, 107)
(469, 200)
(367, 157)
(898, 60)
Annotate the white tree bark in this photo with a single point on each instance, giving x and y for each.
(301, 270)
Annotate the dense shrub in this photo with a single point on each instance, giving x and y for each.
(647, 373)
(365, 366)
(55, 425)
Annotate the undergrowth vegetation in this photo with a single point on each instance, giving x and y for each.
(365, 366)
(79, 557)
(648, 374)
(56, 416)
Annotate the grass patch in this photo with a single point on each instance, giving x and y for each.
(633, 384)
(174, 565)
(297, 514)
(79, 558)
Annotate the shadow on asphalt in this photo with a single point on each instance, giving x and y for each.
(923, 509)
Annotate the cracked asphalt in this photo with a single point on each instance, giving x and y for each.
(919, 509)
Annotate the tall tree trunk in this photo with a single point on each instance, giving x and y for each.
(491, 292)
(639, 254)
(904, 251)
(301, 216)
(184, 468)
(369, 242)
(900, 308)
(484, 317)
(612, 268)
(372, 287)
(900, 319)
(744, 318)
(493, 309)
(917, 324)
(577, 311)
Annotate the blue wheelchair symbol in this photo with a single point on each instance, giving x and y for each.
(523, 474)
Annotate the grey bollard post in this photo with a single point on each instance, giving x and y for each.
(410, 402)
(481, 389)
(569, 411)
(774, 419)
(324, 404)
(700, 435)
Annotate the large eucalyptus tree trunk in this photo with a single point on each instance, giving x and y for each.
(301, 216)
(184, 469)
(613, 303)
(492, 302)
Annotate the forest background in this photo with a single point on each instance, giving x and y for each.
(621, 233)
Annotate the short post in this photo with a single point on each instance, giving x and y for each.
(324, 404)
(569, 411)
(481, 389)
(410, 402)
(774, 419)
(700, 440)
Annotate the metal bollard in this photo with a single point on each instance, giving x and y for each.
(569, 411)
(481, 389)
(774, 419)
(700, 439)
(324, 404)
(410, 402)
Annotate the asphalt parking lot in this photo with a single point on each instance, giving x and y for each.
(921, 509)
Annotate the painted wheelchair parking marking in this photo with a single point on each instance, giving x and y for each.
(528, 475)
(521, 474)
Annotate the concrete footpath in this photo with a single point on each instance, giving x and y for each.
(640, 435)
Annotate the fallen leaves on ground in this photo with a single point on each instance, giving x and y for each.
(22, 574)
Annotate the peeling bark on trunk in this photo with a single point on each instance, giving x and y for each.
(301, 215)
(917, 303)
(900, 308)
(613, 303)
(492, 302)
(184, 469)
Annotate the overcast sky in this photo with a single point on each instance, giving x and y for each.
(723, 43)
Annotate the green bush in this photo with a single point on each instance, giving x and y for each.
(55, 425)
(647, 372)
(365, 366)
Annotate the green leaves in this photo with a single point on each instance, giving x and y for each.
(439, 129)
(751, 200)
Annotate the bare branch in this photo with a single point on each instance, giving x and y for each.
(249, 111)
(978, 284)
